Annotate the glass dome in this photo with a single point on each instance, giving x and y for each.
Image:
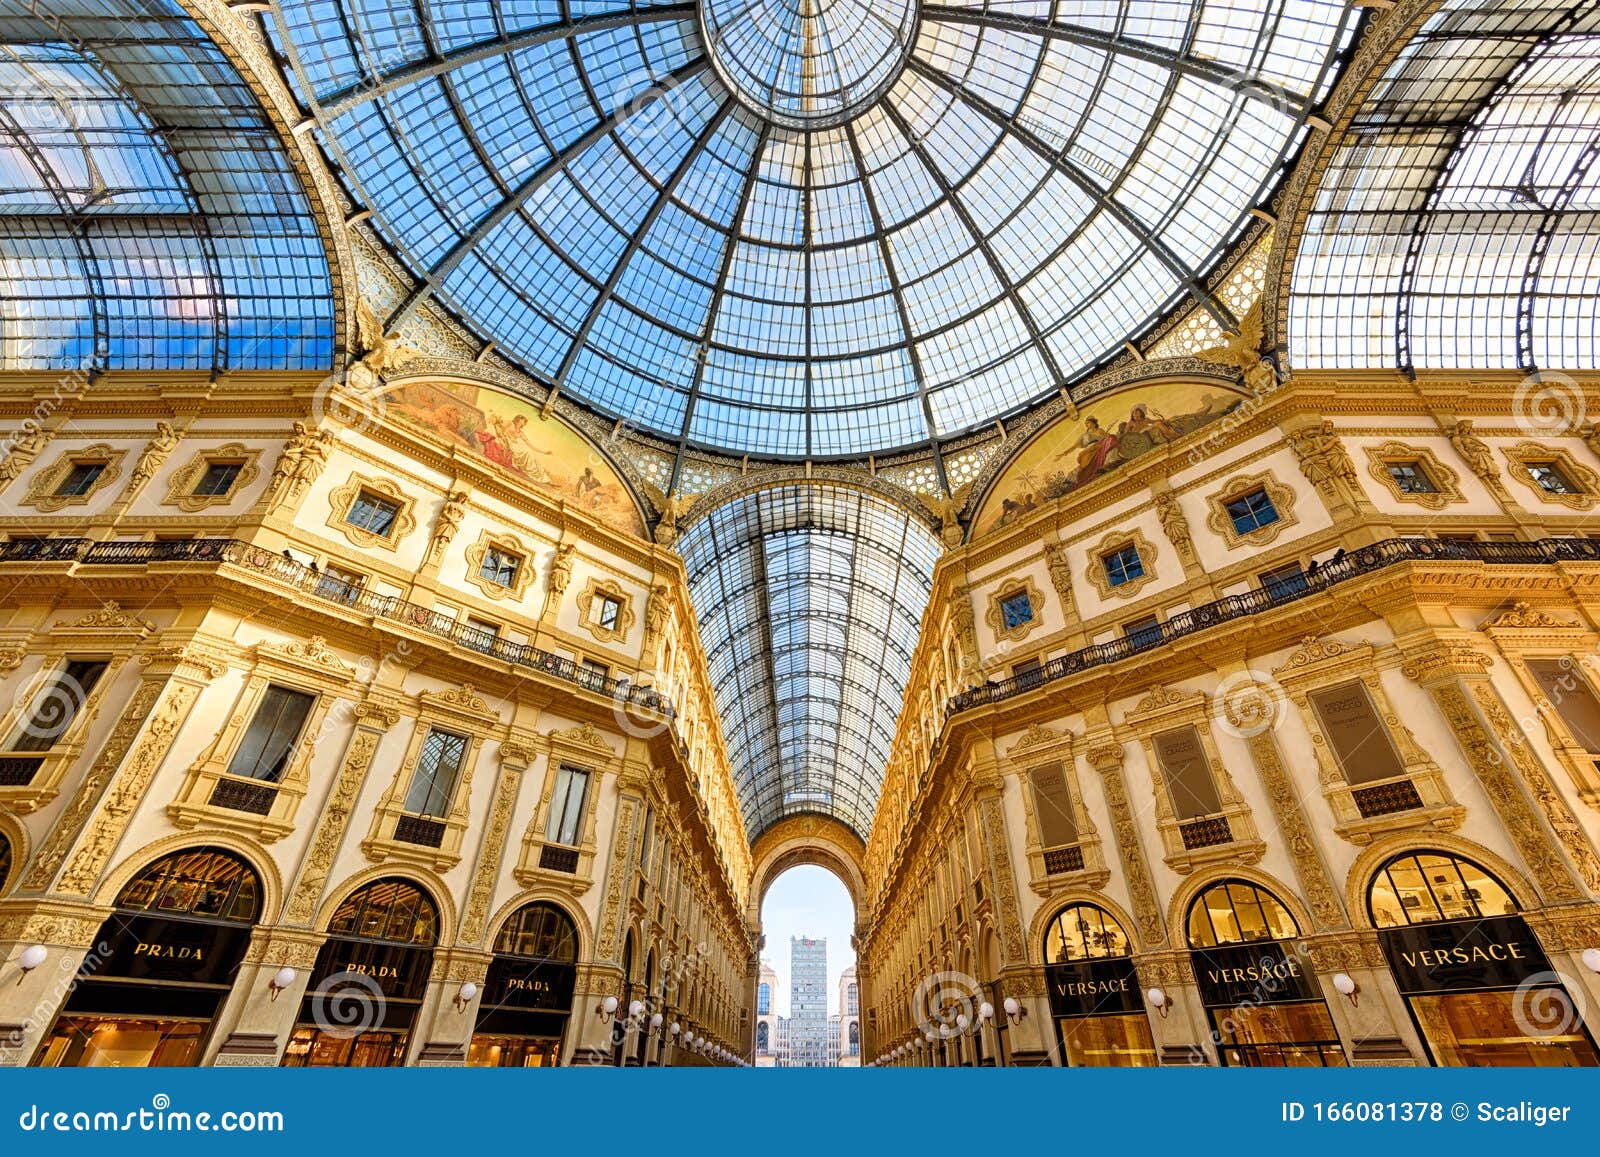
(810, 228)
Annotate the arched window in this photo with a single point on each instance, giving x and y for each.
(1238, 912)
(204, 882)
(541, 932)
(1427, 887)
(764, 1000)
(763, 1037)
(855, 1038)
(5, 860)
(1084, 932)
(394, 910)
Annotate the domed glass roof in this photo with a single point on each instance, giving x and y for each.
(810, 228)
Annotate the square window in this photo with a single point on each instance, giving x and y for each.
(1411, 478)
(1551, 478)
(1123, 565)
(1250, 512)
(373, 513)
(500, 567)
(1016, 609)
(80, 479)
(218, 479)
(609, 612)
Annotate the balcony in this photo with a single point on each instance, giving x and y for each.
(319, 588)
(1356, 564)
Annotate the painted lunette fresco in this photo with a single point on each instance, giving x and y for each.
(533, 449)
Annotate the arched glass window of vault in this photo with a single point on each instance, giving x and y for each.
(1424, 887)
(394, 910)
(1458, 225)
(837, 233)
(810, 600)
(149, 219)
(1084, 932)
(204, 882)
(1238, 912)
(540, 932)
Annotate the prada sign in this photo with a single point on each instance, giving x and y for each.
(529, 984)
(399, 970)
(151, 948)
(1094, 988)
(1260, 973)
(1463, 955)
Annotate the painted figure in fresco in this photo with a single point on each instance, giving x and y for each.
(506, 444)
(1097, 450)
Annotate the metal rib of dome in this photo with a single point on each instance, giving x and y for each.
(816, 240)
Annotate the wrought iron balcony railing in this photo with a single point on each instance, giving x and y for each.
(309, 581)
(1353, 564)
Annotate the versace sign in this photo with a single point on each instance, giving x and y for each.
(1093, 988)
(1463, 955)
(1251, 974)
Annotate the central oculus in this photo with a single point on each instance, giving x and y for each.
(807, 64)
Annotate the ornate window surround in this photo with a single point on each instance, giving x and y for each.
(461, 711)
(180, 487)
(509, 544)
(595, 589)
(581, 747)
(1041, 746)
(116, 645)
(1115, 541)
(1586, 480)
(1164, 710)
(42, 494)
(1447, 483)
(1320, 663)
(996, 615)
(309, 667)
(1524, 633)
(1221, 522)
(342, 498)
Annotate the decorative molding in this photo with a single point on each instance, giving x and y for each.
(111, 617)
(42, 486)
(310, 653)
(584, 735)
(508, 544)
(1281, 496)
(1521, 616)
(996, 618)
(1116, 540)
(1446, 482)
(1313, 649)
(331, 826)
(302, 461)
(597, 589)
(1038, 735)
(1519, 457)
(180, 487)
(342, 498)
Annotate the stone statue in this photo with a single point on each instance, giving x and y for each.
(156, 453)
(1474, 451)
(947, 509)
(303, 459)
(1173, 522)
(672, 506)
(561, 568)
(24, 449)
(448, 523)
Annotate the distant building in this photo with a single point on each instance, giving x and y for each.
(848, 1037)
(771, 1040)
(808, 1003)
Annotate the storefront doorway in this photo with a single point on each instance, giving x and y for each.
(1095, 998)
(366, 989)
(172, 950)
(1261, 997)
(527, 996)
(1480, 989)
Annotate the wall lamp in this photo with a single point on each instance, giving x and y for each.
(30, 959)
(464, 995)
(674, 1028)
(606, 1009)
(656, 1020)
(1015, 1013)
(1345, 985)
(1159, 1000)
(281, 980)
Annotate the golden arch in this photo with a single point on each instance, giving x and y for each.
(580, 919)
(1183, 899)
(1047, 914)
(1380, 852)
(431, 883)
(252, 853)
(808, 839)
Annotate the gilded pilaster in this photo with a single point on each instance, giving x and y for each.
(1106, 758)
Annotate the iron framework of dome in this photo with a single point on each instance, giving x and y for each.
(847, 228)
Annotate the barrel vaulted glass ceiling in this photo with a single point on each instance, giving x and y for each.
(810, 228)
(149, 218)
(1459, 224)
(810, 599)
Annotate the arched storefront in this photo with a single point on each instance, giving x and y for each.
(367, 986)
(527, 996)
(171, 951)
(5, 862)
(1479, 987)
(1095, 999)
(1260, 995)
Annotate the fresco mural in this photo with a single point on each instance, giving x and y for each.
(1106, 433)
(511, 433)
